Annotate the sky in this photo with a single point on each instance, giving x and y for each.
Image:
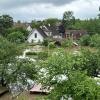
(27, 10)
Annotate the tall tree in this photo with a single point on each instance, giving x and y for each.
(6, 22)
(68, 19)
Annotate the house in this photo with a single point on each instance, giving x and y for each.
(51, 31)
(45, 31)
(36, 35)
(29, 28)
(75, 34)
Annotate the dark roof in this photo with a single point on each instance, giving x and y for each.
(41, 32)
(75, 32)
(53, 29)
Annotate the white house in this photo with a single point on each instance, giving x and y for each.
(36, 35)
(29, 28)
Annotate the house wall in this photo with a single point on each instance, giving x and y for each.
(29, 28)
(57, 37)
(32, 37)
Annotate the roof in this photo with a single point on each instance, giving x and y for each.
(39, 30)
(75, 32)
(53, 29)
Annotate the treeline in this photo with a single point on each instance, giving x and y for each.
(19, 34)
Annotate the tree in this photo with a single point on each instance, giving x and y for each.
(36, 24)
(50, 21)
(16, 37)
(6, 22)
(8, 52)
(12, 68)
(68, 19)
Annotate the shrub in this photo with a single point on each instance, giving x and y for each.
(45, 42)
(95, 40)
(67, 43)
(42, 55)
(85, 40)
(51, 45)
(31, 53)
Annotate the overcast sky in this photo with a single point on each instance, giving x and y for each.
(27, 10)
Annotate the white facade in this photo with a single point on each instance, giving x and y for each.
(29, 28)
(35, 36)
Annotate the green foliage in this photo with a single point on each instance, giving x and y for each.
(67, 43)
(5, 22)
(42, 55)
(45, 42)
(23, 68)
(65, 74)
(68, 19)
(8, 52)
(36, 24)
(16, 37)
(18, 29)
(12, 68)
(91, 25)
(51, 21)
(51, 45)
(93, 41)
(31, 53)
(85, 40)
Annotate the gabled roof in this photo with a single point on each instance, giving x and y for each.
(53, 29)
(39, 30)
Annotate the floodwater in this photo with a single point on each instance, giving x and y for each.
(24, 96)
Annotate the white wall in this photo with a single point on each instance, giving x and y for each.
(32, 38)
(29, 28)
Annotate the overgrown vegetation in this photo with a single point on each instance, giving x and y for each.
(69, 75)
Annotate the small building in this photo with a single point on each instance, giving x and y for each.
(36, 35)
(29, 28)
(75, 34)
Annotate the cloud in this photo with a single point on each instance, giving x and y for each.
(7, 4)
(29, 10)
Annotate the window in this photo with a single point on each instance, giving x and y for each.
(35, 35)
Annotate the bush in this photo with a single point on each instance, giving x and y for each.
(31, 53)
(42, 55)
(51, 45)
(67, 43)
(45, 42)
(64, 74)
(95, 40)
(85, 40)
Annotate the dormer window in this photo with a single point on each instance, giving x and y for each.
(35, 35)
